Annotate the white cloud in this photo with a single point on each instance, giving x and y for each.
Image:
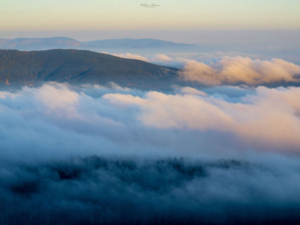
(155, 58)
(58, 99)
(161, 58)
(131, 56)
(57, 120)
(192, 91)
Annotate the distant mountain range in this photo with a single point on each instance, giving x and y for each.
(134, 43)
(39, 43)
(81, 67)
(69, 43)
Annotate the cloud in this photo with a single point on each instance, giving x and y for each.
(114, 120)
(100, 155)
(131, 56)
(114, 190)
(267, 120)
(155, 58)
(218, 69)
(237, 70)
(192, 91)
(161, 58)
(57, 99)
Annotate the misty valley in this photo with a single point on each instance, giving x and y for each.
(149, 113)
(118, 190)
(147, 131)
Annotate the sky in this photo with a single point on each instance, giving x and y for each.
(130, 15)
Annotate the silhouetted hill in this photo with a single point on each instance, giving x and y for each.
(80, 67)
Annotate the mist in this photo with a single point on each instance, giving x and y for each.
(59, 120)
(113, 190)
(91, 154)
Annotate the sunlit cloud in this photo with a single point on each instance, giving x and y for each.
(131, 56)
(155, 58)
(239, 70)
(266, 120)
(90, 144)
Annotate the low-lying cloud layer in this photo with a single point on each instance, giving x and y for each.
(268, 120)
(239, 70)
(155, 58)
(57, 120)
(141, 145)
(224, 70)
(97, 190)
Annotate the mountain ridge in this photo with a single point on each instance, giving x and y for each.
(81, 67)
(135, 43)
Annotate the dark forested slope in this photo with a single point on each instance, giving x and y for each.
(78, 67)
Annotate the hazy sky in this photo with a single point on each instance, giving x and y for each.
(171, 14)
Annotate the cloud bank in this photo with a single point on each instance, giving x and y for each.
(239, 70)
(97, 155)
(218, 69)
(97, 190)
(267, 120)
(58, 120)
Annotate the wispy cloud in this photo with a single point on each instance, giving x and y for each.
(155, 58)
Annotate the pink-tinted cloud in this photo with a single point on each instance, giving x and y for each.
(131, 56)
(267, 120)
(236, 70)
(155, 58)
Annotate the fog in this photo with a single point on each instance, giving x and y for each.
(59, 120)
(97, 190)
(110, 155)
